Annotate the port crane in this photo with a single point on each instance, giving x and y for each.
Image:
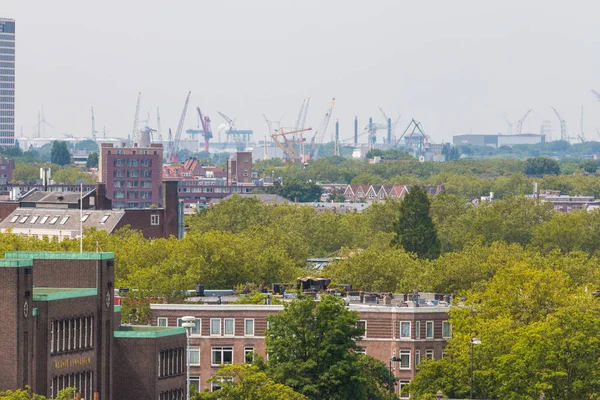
(563, 126)
(320, 133)
(175, 140)
(416, 139)
(206, 129)
(288, 145)
(519, 129)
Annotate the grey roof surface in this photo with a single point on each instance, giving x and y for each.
(54, 197)
(71, 223)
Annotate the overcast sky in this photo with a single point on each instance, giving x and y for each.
(455, 66)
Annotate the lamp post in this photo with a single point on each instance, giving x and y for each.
(393, 359)
(474, 341)
(188, 323)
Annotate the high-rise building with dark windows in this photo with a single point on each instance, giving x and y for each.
(7, 82)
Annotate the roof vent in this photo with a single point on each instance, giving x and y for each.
(61, 198)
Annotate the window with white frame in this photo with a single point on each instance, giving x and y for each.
(429, 354)
(362, 324)
(429, 329)
(154, 219)
(162, 321)
(446, 330)
(249, 354)
(417, 329)
(197, 326)
(221, 355)
(405, 329)
(194, 355)
(403, 389)
(361, 350)
(404, 359)
(249, 327)
(218, 383)
(417, 357)
(228, 326)
(195, 382)
(215, 326)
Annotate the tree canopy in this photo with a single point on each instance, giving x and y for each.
(60, 153)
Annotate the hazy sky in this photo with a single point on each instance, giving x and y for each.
(456, 66)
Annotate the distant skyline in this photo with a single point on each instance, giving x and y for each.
(457, 67)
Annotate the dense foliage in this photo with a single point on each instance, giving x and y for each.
(60, 153)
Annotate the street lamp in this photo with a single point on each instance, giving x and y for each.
(188, 323)
(393, 359)
(474, 341)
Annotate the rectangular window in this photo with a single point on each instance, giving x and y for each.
(405, 329)
(119, 162)
(119, 194)
(54, 219)
(146, 184)
(429, 330)
(361, 350)
(134, 173)
(104, 219)
(195, 382)
(146, 173)
(446, 330)
(195, 355)
(248, 327)
(429, 354)
(132, 163)
(417, 357)
(215, 326)
(417, 329)
(162, 321)
(197, 326)
(14, 219)
(146, 163)
(33, 219)
(248, 355)
(22, 220)
(404, 359)
(403, 389)
(64, 220)
(85, 217)
(218, 384)
(154, 219)
(363, 326)
(221, 355)
(228, 326)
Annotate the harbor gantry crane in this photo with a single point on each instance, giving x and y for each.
(136, 118)
(416, 139)
(563, 126)
(174, 142)
(317, 139)
(520, 123)
(206, 129)
(288, 145)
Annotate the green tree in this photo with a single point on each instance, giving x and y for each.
(590, 166)
(542, 166)
(312, 349)
(92, 161)
(25, 394)
(247, 382)
(60, 153)
(415, 230)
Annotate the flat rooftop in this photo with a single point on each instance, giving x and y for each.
(58, 255)
(146, 332)
(50, 294)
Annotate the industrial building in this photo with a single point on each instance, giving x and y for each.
(7, 83)
(498, 140)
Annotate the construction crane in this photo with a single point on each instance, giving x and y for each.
(136, 118)
(174, 143)
(563, 126)
(299, 118)
(320, 134)
(206, 130)
(520, 123)
(158, 127)
(419, 144)
(596, 94)
(288, 145)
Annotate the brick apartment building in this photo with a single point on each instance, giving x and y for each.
(60, 329)
(57, 214)
(239, 168)
(230, 333)
(7, 169)
(132, 175)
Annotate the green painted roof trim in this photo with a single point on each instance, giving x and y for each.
(117, 308)
(59, 255)
(49, 294)
(16, 263)
(146, 332)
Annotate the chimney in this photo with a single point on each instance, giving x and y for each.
(170, 205)
(101, 202)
